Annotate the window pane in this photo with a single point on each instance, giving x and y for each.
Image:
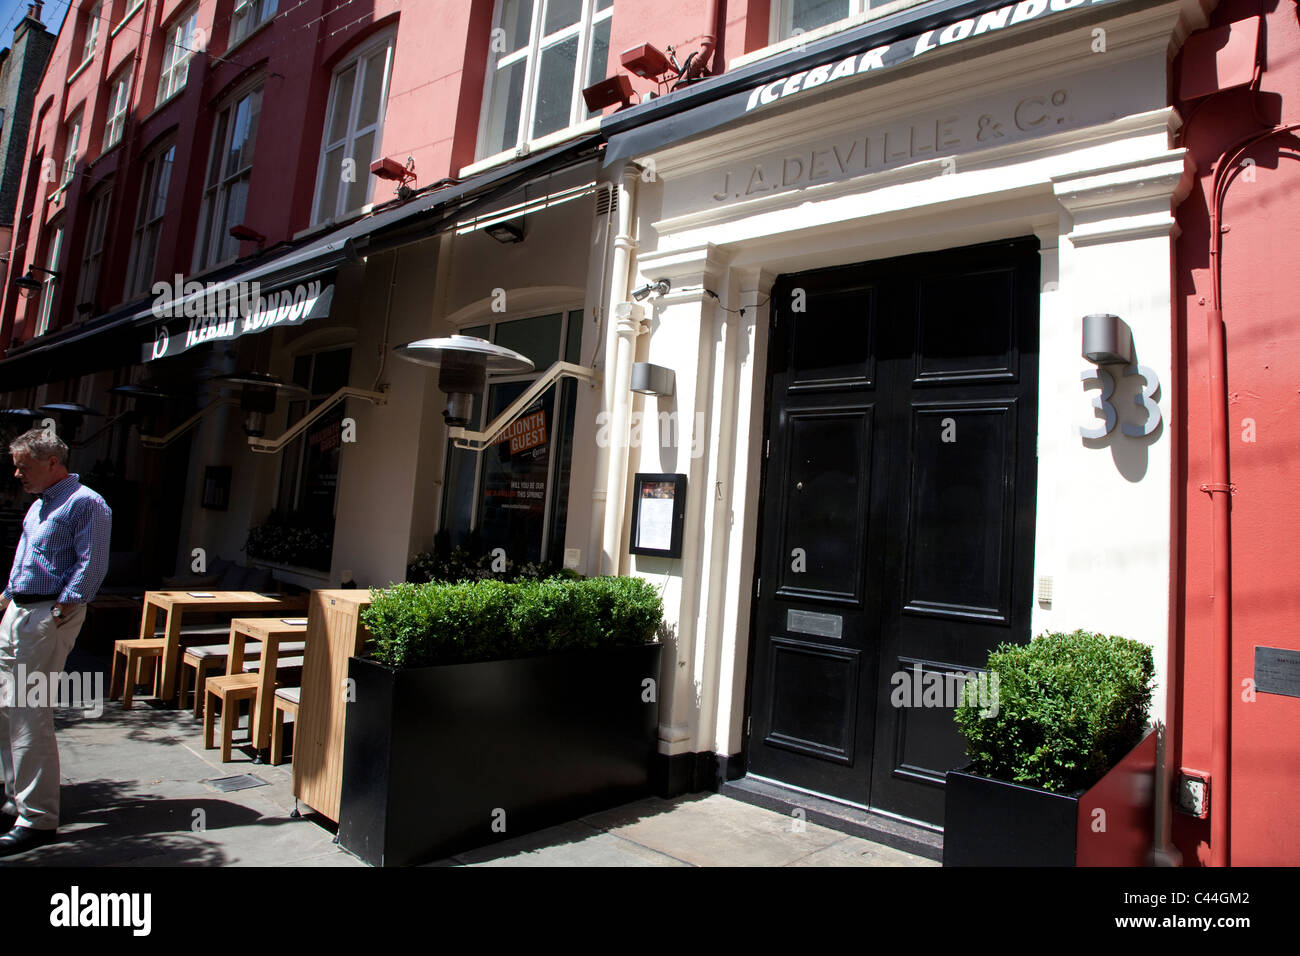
(561, 14)
(507, 101)
(363, 154)
(218, 143)
(811, 14)
(371, 89)
(555, 87)
(512, 508)
(331, 372)
(330, 179)
(164, 182)
(342, 103)
(573, 344)
(233, 215)
(516, 22)
(537, 338)
(599, 57)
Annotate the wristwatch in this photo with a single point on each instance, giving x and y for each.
(57, 611)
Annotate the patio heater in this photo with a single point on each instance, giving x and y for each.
(257, 395)
(463, 363)
(71, 415)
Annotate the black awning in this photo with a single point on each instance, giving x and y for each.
(115, 338)
(789, 77)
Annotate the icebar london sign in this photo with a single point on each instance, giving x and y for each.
(228, 310)
(893, 54)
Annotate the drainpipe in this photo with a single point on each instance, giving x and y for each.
(598, 561)
(708, 45)
(1219, 488)
(629, 323)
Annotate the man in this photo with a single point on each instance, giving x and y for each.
(61, 560)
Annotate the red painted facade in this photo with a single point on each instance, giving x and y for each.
(1260, 263)
(433, 114)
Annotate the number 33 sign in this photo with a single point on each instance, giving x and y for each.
(1144, 400)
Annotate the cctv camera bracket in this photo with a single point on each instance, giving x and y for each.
(477, 441)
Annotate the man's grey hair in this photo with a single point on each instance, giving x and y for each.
(40, 444)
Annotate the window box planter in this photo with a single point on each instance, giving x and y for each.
(991, 822)
(445, 758)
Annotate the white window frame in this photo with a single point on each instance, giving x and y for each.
(93, 252)
(71, 150)
(389, 39)
(218, 184)
(178, 50)
(119, 102)
(248, 17)
(782, 28)
(52, 256)
(91, 33)
(531, 53)
(149, 218)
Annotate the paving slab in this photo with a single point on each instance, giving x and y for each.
(569, 844)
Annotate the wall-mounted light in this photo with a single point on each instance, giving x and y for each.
(1107, 340)
(29, 285)
(608, 92)
(646, 61)
(247, 234)
(660, 287)
(507, 232)
(650, 379)
(394, 172)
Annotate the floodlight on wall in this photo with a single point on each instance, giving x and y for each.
(395, 172)
(645, 61)
(650, 379)
(660, 287)
(463, 363)
(1107, 340)
(247, 234)
(612, 90)
(507, 232)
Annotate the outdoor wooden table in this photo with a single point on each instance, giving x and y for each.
(270, 631)
(174, 604)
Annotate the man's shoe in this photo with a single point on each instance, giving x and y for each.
(22, 839)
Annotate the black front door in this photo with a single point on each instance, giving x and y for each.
(897, 518)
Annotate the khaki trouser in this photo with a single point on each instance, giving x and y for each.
(32, 640)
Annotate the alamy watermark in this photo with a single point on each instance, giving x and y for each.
(948, 689)
(76, 690)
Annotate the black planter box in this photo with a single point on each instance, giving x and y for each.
(991, 822)
(442, 759)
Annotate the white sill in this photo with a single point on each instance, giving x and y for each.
(812, 36)
(531, 146)
(129, 14)
(79, 70)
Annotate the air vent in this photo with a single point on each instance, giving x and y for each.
(606, 202)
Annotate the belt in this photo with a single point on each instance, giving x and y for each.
(23, 600)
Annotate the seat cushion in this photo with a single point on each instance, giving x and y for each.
(219, 651)
(291, 694)
(283, 663)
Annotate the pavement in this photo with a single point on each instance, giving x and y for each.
(139, 790)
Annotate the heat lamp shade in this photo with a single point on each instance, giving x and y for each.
(465, 349)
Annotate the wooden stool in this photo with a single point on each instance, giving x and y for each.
(286, 702)
(230, 689)
(132, 652)
(201, 660)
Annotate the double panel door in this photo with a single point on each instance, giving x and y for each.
(897, 517)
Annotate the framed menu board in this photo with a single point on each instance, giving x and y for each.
(658, 513)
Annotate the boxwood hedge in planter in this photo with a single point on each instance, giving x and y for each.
(487, 709)
(1061, 768)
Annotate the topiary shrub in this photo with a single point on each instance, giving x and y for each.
(1068, 708)
(419, 625)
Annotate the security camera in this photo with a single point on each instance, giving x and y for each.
(661, 286)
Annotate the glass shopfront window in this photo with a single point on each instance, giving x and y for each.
(514, 494)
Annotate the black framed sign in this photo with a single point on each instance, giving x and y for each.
(658, 513)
